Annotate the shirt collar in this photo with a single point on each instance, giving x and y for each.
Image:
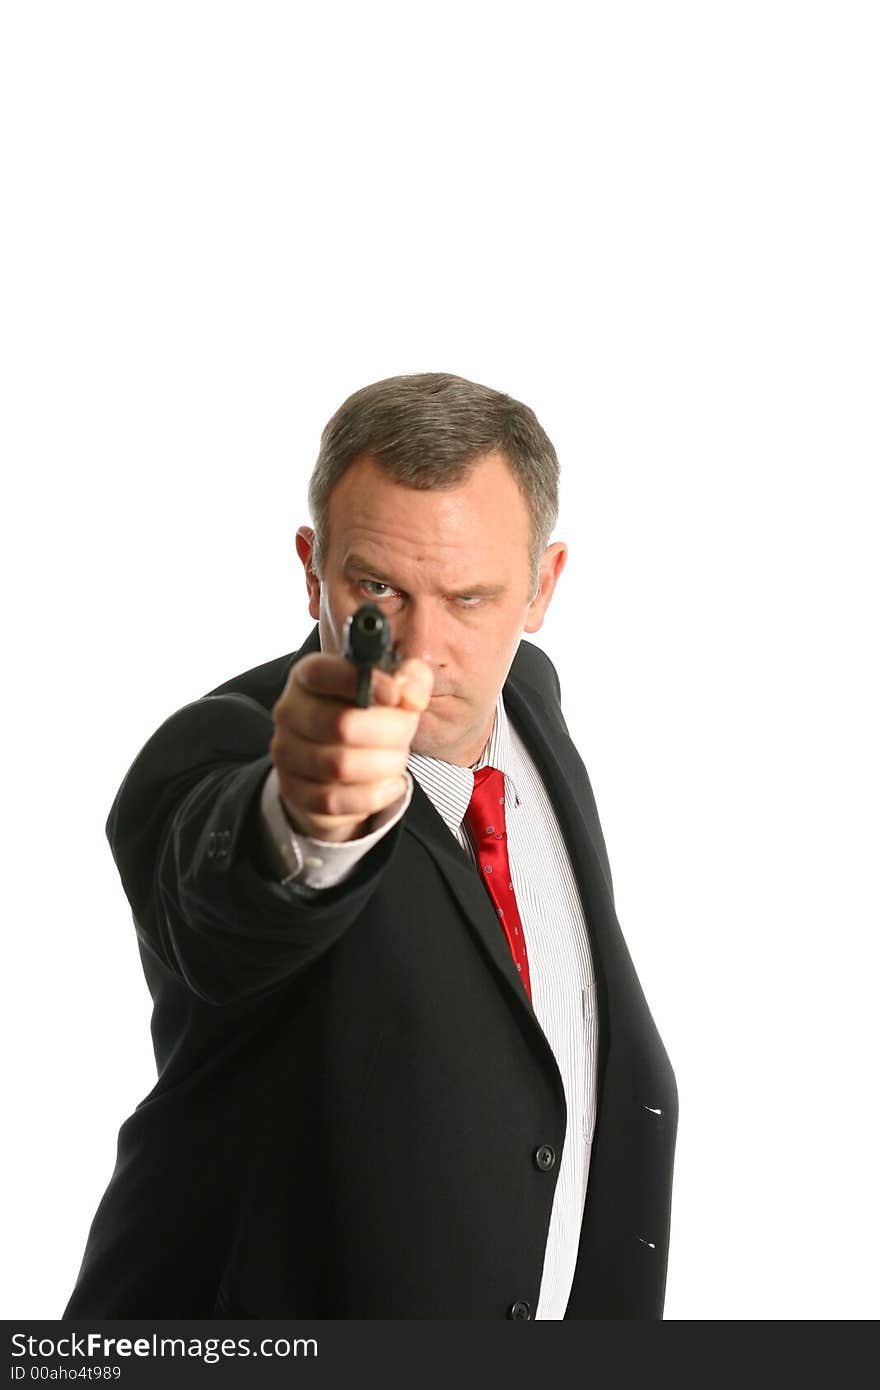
(450, 787)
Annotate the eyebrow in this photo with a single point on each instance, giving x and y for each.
(357, 564)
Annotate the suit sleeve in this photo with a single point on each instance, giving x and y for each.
(185, 834)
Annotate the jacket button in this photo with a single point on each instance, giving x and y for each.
(519, 1309)
(545, 1158)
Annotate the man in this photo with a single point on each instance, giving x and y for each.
(390, 1084)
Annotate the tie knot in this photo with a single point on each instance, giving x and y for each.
(485, 813)
(484, 773)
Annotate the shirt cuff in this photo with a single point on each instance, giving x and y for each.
(317, 863)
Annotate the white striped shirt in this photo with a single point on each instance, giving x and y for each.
(560, 965)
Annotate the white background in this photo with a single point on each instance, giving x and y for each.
(657, 224)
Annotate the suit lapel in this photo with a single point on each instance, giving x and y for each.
(560, 767)
(424, 821)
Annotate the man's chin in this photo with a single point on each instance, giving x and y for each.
(428, 744)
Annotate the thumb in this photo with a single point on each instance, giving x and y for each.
(416, 678)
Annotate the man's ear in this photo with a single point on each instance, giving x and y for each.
(305, 545)
(552, 565)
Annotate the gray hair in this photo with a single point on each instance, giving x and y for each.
(428, 430)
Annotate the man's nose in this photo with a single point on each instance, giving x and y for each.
(417, 634)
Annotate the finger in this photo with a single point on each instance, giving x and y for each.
(322, 763)
(326, 673)
(338, 799)
(416, 679)
(329, 722)
(332, 676)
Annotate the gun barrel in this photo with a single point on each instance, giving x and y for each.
(367, 641)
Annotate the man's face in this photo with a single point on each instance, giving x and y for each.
(451, 571)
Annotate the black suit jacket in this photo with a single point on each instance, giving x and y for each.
(352, 1084)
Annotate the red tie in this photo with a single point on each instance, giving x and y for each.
(485, 816)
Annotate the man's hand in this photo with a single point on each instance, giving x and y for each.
(337, 764)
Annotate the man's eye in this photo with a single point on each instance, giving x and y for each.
(466, 600)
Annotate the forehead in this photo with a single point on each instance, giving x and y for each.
(488, 501)
(476, 533)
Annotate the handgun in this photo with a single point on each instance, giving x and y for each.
(367, 641)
